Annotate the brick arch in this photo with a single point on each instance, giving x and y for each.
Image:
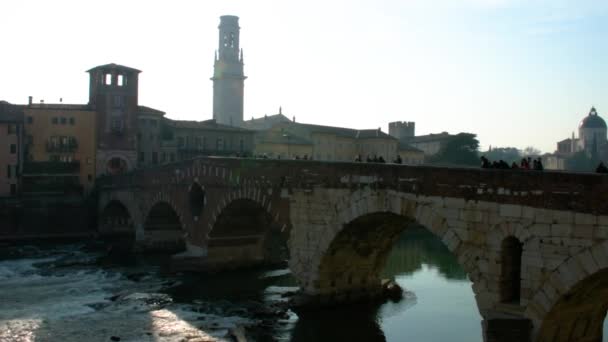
(361, 203)
(570, 277)
(164, 197)
(126, 199)
(253, 194)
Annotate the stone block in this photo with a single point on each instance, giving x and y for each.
(580, 218)
(600, 232)
(471, 215)
(543, 216)
(561, 230)
(562, 216)
(600, 255)
(586, 260)
(457, 203)
(583, 231)
(510, 210)
(528, 212)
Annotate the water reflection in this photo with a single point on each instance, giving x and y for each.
(440, 306)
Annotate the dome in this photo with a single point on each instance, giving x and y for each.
(593, 121)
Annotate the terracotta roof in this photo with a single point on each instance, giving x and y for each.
(10, 113)
(273, 137)
(148, 110)
(339, 131)
(208, 124)
(408, 147)
(265, 121)
(114, 66)
(57, 106)
(428, 138)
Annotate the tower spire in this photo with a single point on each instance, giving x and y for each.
(228, 77)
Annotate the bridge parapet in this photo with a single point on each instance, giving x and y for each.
(580, 192)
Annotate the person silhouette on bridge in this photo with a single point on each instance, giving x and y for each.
(485, 163)
(601, 168)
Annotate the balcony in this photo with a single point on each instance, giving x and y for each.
(51, 168)
(70, 146)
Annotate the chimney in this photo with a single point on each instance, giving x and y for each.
(29, 100)
(294, 118)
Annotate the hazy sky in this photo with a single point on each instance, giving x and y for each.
(515, 72)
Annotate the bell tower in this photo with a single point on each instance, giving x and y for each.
(113, 91)
(228, 78)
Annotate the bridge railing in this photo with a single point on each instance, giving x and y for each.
(583, 192)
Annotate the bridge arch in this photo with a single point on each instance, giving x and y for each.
(571, 304)
(163, 228)
(244, 231)
(342, 258)
(116, 219)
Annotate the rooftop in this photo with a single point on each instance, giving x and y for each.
(10, 113)
(114, 66)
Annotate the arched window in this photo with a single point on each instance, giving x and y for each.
(510, 274)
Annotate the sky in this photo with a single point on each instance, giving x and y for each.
(515, 72)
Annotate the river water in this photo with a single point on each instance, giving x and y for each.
(76, 292)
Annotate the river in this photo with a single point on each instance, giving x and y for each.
(76, 292)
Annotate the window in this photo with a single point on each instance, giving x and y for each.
(120, 81)
(12, 129)
(8, 171)
(118, 101)
(13, 189)
(510, 273)
(180, 141)
(219, 144)
(90, 177)
(64, 120)
(89, 161)
(241, 145)
(154, 157)
(172, 157)
(54, 120)
(72, 121)
(197, 142)
(30, 140)
(142, 157)
(13, 148)
(116, 125)
(108, 79)
(30, 120)
(163, 157)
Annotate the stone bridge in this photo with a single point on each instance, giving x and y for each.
(534, 244)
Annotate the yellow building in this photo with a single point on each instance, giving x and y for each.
(61, 133)
(295, 140)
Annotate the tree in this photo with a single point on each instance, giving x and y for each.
(582, 162)
(459, 149)
(508, 154)
(531, 151)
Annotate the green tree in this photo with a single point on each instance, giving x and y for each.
(459, 149)
(582, 162)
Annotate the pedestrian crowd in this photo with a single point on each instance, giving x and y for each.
(526, 163)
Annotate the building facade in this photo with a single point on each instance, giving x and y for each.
(60, 133)
(291, 140)
(191, 139)
(11, 149)
(113, 95)
(592, 140)
(228, 75)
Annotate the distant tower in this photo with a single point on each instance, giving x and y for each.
(402, 130)
(228, 78)
(113, 95)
